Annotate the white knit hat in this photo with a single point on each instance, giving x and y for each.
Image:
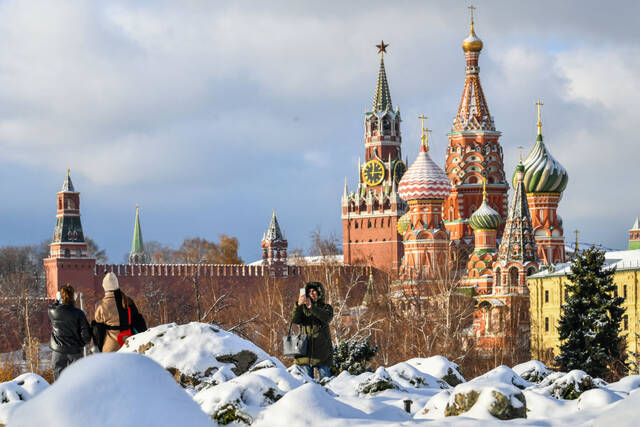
(110, 282)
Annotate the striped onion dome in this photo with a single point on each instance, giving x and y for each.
(543, 173)
(485, 218)
(404, 223)
(424, 179)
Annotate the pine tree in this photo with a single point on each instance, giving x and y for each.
(589, 327)
(353, 356)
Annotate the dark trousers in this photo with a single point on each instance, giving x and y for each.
(59, 361)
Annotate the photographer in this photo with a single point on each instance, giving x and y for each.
(313, 315)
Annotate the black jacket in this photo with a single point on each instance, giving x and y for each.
(70, 330)
(314, 322)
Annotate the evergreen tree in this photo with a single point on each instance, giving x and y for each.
(589, 327)
(353, 356)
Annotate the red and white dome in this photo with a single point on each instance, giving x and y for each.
(424, 180)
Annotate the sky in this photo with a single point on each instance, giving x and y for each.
(209, 115)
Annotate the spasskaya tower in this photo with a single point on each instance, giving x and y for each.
(370, 213)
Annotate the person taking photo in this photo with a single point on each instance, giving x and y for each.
(313, 315)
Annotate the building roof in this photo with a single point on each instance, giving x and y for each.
(273, 232)
(137, 247)
(309, 260)
(621, 260)
(382, 96)
(67, 185)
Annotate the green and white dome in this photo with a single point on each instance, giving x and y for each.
(543, 173)
(485, 217)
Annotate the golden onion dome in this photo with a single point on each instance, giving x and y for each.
(472, 43)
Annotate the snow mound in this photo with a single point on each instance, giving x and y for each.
(486, 399)
(410, 377)
(597, 398)
(626, 384)
(621, 414)
(310, 405)
(198, 355)
(439, 367)
(379, 381)
(533, 371)
(17, 391)
(561, 385)
(505, 375)
(300, 375)
(240, 399)
(111, 389)
(434, 409)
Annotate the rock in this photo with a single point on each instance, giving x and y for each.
(243, 361)
(479, 398)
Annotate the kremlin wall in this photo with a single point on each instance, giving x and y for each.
(411, 221)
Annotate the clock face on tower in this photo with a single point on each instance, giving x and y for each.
(373, 173)
(398, 170)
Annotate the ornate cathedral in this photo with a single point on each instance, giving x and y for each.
(430, 222)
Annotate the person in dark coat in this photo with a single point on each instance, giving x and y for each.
(70, 331)
(313, 315)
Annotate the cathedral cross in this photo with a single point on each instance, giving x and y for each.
(539, 104)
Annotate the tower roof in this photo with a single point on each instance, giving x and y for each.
(473, 112)
(67, 185)
(424, 179)
(518, 242)
(137, 246)
(636, 225)
(543, 173)
(382, 96)
(273, 232)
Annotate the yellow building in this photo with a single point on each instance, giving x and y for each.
(548, 291)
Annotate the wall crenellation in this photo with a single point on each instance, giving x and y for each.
(182, 270)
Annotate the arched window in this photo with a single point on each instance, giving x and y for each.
(498, 277)
(513, 276)
(67, 253)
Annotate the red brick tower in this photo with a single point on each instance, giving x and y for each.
(544, 181)
(370, 214)
(425, 186)
(68, 262)
(274, 249)
(474, 153)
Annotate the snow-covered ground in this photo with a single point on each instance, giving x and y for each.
(199, 374)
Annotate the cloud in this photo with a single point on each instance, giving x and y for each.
(229, 109)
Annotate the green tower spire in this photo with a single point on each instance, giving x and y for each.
(137, 255)
(382, 97)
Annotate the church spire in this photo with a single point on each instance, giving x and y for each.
(382, 97)
(137, 255)
(473, 112)
(518, 243)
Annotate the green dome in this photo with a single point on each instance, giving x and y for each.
(485, 218)
(543, 173)
(404, 223)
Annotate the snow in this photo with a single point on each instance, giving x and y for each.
(437, 366)
(17, 391)
(194, 350)
(111, 389)
(531, 370)
(126, 388)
